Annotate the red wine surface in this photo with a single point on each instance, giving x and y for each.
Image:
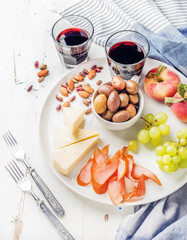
(126, 52)
(72, 36)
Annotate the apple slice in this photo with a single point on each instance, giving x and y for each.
(138, 171)
(116, 190)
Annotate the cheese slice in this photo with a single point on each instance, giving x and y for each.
(73, 117)
(65, 159)
(63, 138)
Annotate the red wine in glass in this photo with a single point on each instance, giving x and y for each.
(74, 48)
(126, 52)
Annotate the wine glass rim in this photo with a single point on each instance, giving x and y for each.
(132, 31)
(65, 16)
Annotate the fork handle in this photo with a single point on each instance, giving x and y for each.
(47, 193)
(61, 229)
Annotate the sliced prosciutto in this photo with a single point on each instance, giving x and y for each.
(116, 190)
(138, 171)
(137, 192)
(84, 177)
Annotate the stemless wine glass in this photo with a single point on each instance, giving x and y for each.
(72, 36)
(126, 52)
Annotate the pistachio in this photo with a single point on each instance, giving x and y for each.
(100, 67)
(36, 64)
(58, 107)
(40, 79)
(43, 67)
(93, 67)
(78, 85)
(89, 110)
(85, 71)
(79, 89)
(82, 74)
(72, 98)
(59, 98)
(75, 81)
(29, 88)
(85, 102)
(97, 70)
(99, 82)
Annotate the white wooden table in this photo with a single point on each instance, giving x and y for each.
(26, 37)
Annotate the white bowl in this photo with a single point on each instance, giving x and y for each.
(122, 125)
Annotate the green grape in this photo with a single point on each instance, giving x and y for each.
(166, 144)
(184, 133)
(161, 166)
(164, 129)
(166, 159)
(159, 159)
(161, 117)
(154, 132)
(132, 145)
(183, 141)
(173, 167)
(171, 150)
(160, 150)
(143, 136)
(156, 141)
(182, 153)
(149, 117)
(167, 168)
(176, 159)
(179, 134)
(175, 144)
(183, 164)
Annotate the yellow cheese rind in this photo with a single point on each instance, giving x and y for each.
(65, 159)
(73, 117)
(63, 138)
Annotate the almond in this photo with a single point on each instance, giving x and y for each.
(43, 73)
(88, 89)
(63, 91)
(83, 94)
(99, 82)
(91, 74)
(89, 110)
(66, 104)
(78, 77)
(71, 84)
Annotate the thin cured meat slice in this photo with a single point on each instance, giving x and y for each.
(138, 171)
(122, 168)
(84, 177)
(116, 190)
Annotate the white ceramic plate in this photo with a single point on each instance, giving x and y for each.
(50, 118)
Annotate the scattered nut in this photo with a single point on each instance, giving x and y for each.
(36, 64)
(83, 94)
(82, 74)
(98, 70)
(90, 100)
(79, 89)
(93, 67)
(78, 77)
(78, 85)
(71, 84)
(68, 89)
(40, 79)
(43, 73)
(100, 67)
(63, 91)
(88, 89)
(64, 85)
(99, 82)
(86, 84)
(58, 107)
(66, 104)
(106, 217)
(43, 67)
(85, 71)
(59, 98)
(91, 74)
(89, 110)
(85, 102)
(29, 88)
(72, 98)
(75, 81)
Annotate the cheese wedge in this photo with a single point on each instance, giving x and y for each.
(63, 138)
(73, 117)
(65, 159)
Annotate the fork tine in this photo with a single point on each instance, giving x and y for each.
(17, 169)
(12, 137)
(8, 144)
(11, 173)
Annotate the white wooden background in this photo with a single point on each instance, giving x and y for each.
(25, 27)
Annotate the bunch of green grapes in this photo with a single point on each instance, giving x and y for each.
(172, 155)
(154, 128)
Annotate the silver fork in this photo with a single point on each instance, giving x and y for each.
(19, 154)
(25, 186)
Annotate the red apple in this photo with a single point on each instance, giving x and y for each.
(179, 109)
(161, 82)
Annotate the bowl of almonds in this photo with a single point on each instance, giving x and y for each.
(118, 104)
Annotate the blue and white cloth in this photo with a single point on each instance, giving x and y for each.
(164, 24)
